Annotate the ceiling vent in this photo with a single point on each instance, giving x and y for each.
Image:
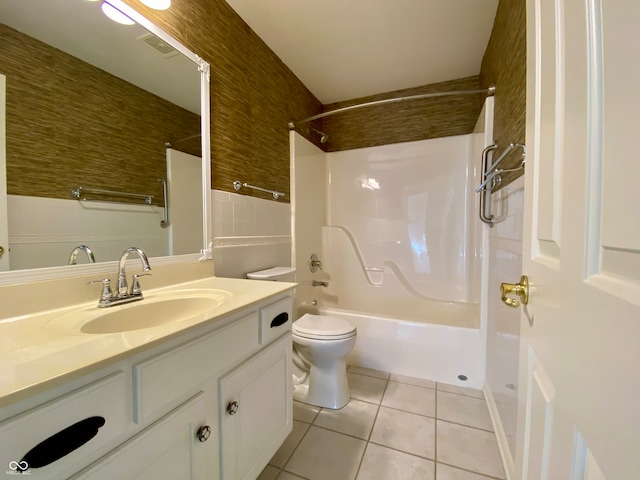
(158, 45)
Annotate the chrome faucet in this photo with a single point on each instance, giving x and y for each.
(123, 294)
(318, 283)
(74, 254)
(122, 275)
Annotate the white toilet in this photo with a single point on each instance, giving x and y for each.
(321, 345)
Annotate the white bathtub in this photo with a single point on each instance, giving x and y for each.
(439, 351)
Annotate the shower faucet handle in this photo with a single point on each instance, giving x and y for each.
(314, 263)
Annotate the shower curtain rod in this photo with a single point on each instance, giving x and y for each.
(490, 91)
(171, 144)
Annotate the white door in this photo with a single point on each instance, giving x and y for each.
(580, 353)
(4, 233)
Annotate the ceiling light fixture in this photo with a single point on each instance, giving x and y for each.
(116, 15)
(157, 4)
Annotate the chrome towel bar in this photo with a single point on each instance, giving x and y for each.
(237, 185)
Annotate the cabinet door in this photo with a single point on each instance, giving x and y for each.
(256, 411)
(167, 449)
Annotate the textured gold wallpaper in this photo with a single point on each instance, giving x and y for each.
(70, 124)
(504, 65)
(404, 121)
(254, 95)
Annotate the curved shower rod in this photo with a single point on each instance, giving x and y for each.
(490, 91)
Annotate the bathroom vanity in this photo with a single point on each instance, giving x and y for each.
(205, 395)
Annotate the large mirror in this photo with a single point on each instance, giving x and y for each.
(103, 147)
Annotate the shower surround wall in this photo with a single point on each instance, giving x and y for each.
(401, 212)
(395, 228)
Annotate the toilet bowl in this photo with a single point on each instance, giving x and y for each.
(322, 343)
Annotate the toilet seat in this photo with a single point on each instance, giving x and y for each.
(323, 327)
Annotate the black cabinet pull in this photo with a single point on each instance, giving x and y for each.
(63, 443)
(280, 319)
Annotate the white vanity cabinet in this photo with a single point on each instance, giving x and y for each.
(256, 402)
(167, 449)
(165, 410)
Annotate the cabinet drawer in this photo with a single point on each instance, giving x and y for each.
(166, 377)
(66, 433)
(167, 449)
(275, 319)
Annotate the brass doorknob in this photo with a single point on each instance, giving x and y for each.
(521, 289)
(1, 250)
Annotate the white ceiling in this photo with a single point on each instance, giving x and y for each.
(345, 49)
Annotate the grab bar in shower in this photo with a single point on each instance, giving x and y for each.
(491, 177)
(164, 223)
(237, 185)
(484, 215)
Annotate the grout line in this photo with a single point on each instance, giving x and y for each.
(471, 471)
(403, 451)
(296, 447)
(435, 439)
(467, 426)
(366, 447)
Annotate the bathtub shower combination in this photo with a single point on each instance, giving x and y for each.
(397, 233)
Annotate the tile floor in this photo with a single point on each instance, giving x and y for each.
(394, 428)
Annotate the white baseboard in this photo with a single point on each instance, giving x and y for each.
(503, 446)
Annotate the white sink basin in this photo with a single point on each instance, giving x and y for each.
(150, 312)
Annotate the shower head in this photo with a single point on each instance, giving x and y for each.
(323, 136)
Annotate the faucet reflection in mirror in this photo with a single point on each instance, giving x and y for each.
(73, 258)
(123, 294)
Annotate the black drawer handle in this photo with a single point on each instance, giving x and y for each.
(62, 443)
(280, 319)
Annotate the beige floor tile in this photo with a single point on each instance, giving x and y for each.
(290, 444)
(469, 411)
(269, 473)
(445, 472)
(289, 476)
(368, 389)
(468, 448)
(405, 431)
(419, 382)
(410, 398)
(370, 372)
(381, 463)
(304, 413)
(356, 418)
(469, 392)
(326, 455)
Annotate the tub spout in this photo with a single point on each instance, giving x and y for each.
(317, 283)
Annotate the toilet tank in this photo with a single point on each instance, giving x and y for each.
(275, 274)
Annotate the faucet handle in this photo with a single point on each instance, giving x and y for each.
(135, 284)
(106, 294)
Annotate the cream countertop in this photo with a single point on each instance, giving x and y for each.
(38, 351)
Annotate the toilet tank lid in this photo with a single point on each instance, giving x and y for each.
(271, 273)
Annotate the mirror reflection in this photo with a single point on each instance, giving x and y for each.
(90, 107)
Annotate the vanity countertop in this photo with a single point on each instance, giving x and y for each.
(37, 352)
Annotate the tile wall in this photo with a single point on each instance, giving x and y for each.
(44, 231)
(249, 234)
